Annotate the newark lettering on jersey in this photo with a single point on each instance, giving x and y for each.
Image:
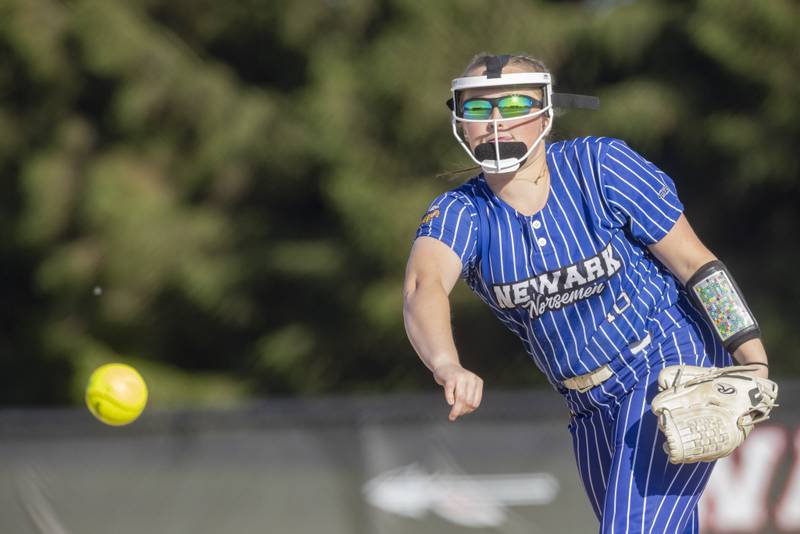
(561, 287)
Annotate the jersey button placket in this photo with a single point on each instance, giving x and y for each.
(541, 241)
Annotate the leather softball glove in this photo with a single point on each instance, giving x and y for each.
(706, 412)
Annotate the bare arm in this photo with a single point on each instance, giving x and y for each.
(683, 253)
(431, 274)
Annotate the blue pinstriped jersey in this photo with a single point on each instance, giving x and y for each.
(574, 281)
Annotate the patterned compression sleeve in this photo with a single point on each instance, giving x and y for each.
(715, 293)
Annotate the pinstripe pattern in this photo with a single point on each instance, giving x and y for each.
(576, 284)
(617, 443)
(554, 278)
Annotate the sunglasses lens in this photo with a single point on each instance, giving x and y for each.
(515, 106)
(477, 109)
(510, 106)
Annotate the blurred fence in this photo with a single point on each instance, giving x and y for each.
(377, 465)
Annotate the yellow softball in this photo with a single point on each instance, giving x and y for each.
(116, 394)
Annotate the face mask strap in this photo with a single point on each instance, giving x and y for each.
(495, 64)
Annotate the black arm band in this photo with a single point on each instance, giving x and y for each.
(715, 293)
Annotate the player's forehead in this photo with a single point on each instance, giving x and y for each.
(493, 92)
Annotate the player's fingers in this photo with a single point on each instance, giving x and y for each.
(456, 411)
(469, 395)
(458, 405)
(453, 415)
(477, 394)
(450, 391)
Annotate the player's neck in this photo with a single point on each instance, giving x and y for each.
(527, 189)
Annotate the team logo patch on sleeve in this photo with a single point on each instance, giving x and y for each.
(561, 287)
(431, 215)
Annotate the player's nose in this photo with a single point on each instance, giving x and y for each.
(495, 116)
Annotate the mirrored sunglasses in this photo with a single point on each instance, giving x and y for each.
(509, 106)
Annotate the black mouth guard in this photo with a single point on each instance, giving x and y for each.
(508, 149)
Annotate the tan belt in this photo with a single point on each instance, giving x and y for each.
(584, 383)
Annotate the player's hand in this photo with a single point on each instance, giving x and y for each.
(463, 389)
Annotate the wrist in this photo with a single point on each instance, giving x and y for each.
(437, 361)
(758, 368)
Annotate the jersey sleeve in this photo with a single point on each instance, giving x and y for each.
(639, 193)
(452, 219)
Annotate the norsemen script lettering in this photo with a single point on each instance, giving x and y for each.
(561, 287)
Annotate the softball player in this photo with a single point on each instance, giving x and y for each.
(581, 249)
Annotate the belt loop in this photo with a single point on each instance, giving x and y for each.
(640, 345)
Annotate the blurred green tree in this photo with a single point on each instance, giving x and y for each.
(227, 192)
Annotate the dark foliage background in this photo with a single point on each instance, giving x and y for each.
(224, 193)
